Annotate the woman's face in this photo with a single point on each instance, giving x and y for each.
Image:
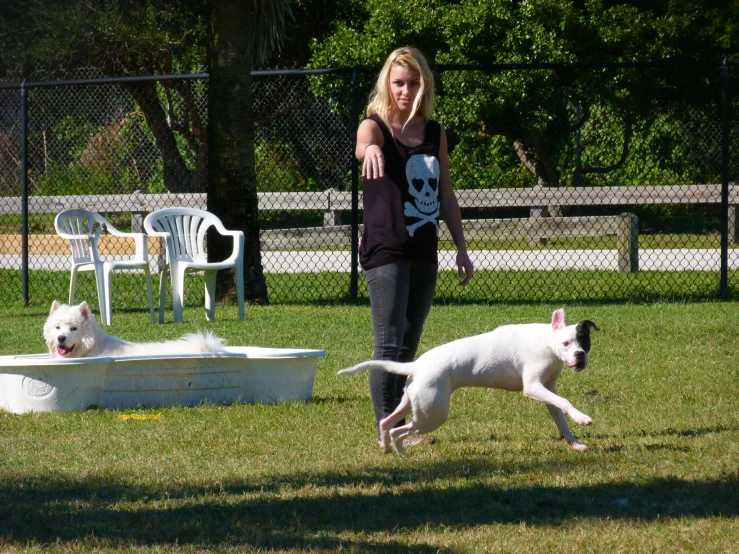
(404, 86)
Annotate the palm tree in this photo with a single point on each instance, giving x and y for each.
(241, 33)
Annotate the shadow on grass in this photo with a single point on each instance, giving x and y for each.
(671, 432)
(311, 510)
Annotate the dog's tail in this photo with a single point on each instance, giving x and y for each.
(191, 343)
(202, 342)
(386, 365)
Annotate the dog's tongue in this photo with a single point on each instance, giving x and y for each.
(62, 350)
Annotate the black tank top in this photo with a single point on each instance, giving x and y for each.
(401, 209)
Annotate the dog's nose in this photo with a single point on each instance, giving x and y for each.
(61, 339)
(580, 355)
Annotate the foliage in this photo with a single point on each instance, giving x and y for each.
(312, 20)
(127, 37)
(535, 110)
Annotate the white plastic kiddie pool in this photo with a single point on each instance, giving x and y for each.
(37, 383)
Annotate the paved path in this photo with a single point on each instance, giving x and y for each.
(676, 259)
(649, 260)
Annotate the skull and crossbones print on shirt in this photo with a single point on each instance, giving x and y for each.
(422, 174)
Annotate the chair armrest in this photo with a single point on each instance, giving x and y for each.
(113, 231)
(163, 234)
(167, 242)
(238, 238)
(142, 249)
(139, 240)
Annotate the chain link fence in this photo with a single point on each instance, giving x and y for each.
(579, 191)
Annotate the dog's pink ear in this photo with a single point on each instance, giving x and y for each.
(85, 310)
(55, 305)
(558, 319)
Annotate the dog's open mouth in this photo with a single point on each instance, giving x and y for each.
(63, 350)
(577, 366)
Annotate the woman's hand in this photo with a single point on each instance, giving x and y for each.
(373, 166)
(369, 149)
(464, 268)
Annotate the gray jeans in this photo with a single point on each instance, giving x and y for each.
(401, 294)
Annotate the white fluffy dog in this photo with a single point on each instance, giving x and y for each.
(73, 332)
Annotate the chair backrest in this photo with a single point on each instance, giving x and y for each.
(187, 228)
(81, 222)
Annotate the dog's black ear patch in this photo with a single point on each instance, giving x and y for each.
(582, 333)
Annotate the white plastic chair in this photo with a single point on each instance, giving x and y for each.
(184, 231)
(83, 229)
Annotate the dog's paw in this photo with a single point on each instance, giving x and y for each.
(581, 419)
(400, 450)
(398, 446)
(385, 444)
(579, 447)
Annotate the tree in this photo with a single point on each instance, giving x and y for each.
(536, 112)
(143, 37)
(123, 38)
(312, 19)
(240, 34)
(155, 37)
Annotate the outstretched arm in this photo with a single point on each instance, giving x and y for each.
(369, 149)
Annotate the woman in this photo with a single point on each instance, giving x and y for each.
(407, 187)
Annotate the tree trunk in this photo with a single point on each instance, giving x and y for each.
(177, 177)
(232, 180)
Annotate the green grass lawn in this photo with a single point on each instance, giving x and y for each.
(662, 475)
(488, 286)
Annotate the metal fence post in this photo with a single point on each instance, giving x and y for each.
(724, 282)
(353, 285)
(24, 192)
(578, 149)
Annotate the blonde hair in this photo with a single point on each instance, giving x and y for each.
(380, 101)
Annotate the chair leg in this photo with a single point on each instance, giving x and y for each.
(240, 289)
(162, 291)
(100, 282)
(107, 319)
(149, 293)
(72, 284)
(178, 291)
(210, 295)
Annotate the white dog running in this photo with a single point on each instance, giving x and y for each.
(526, 358)
(73, 332)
